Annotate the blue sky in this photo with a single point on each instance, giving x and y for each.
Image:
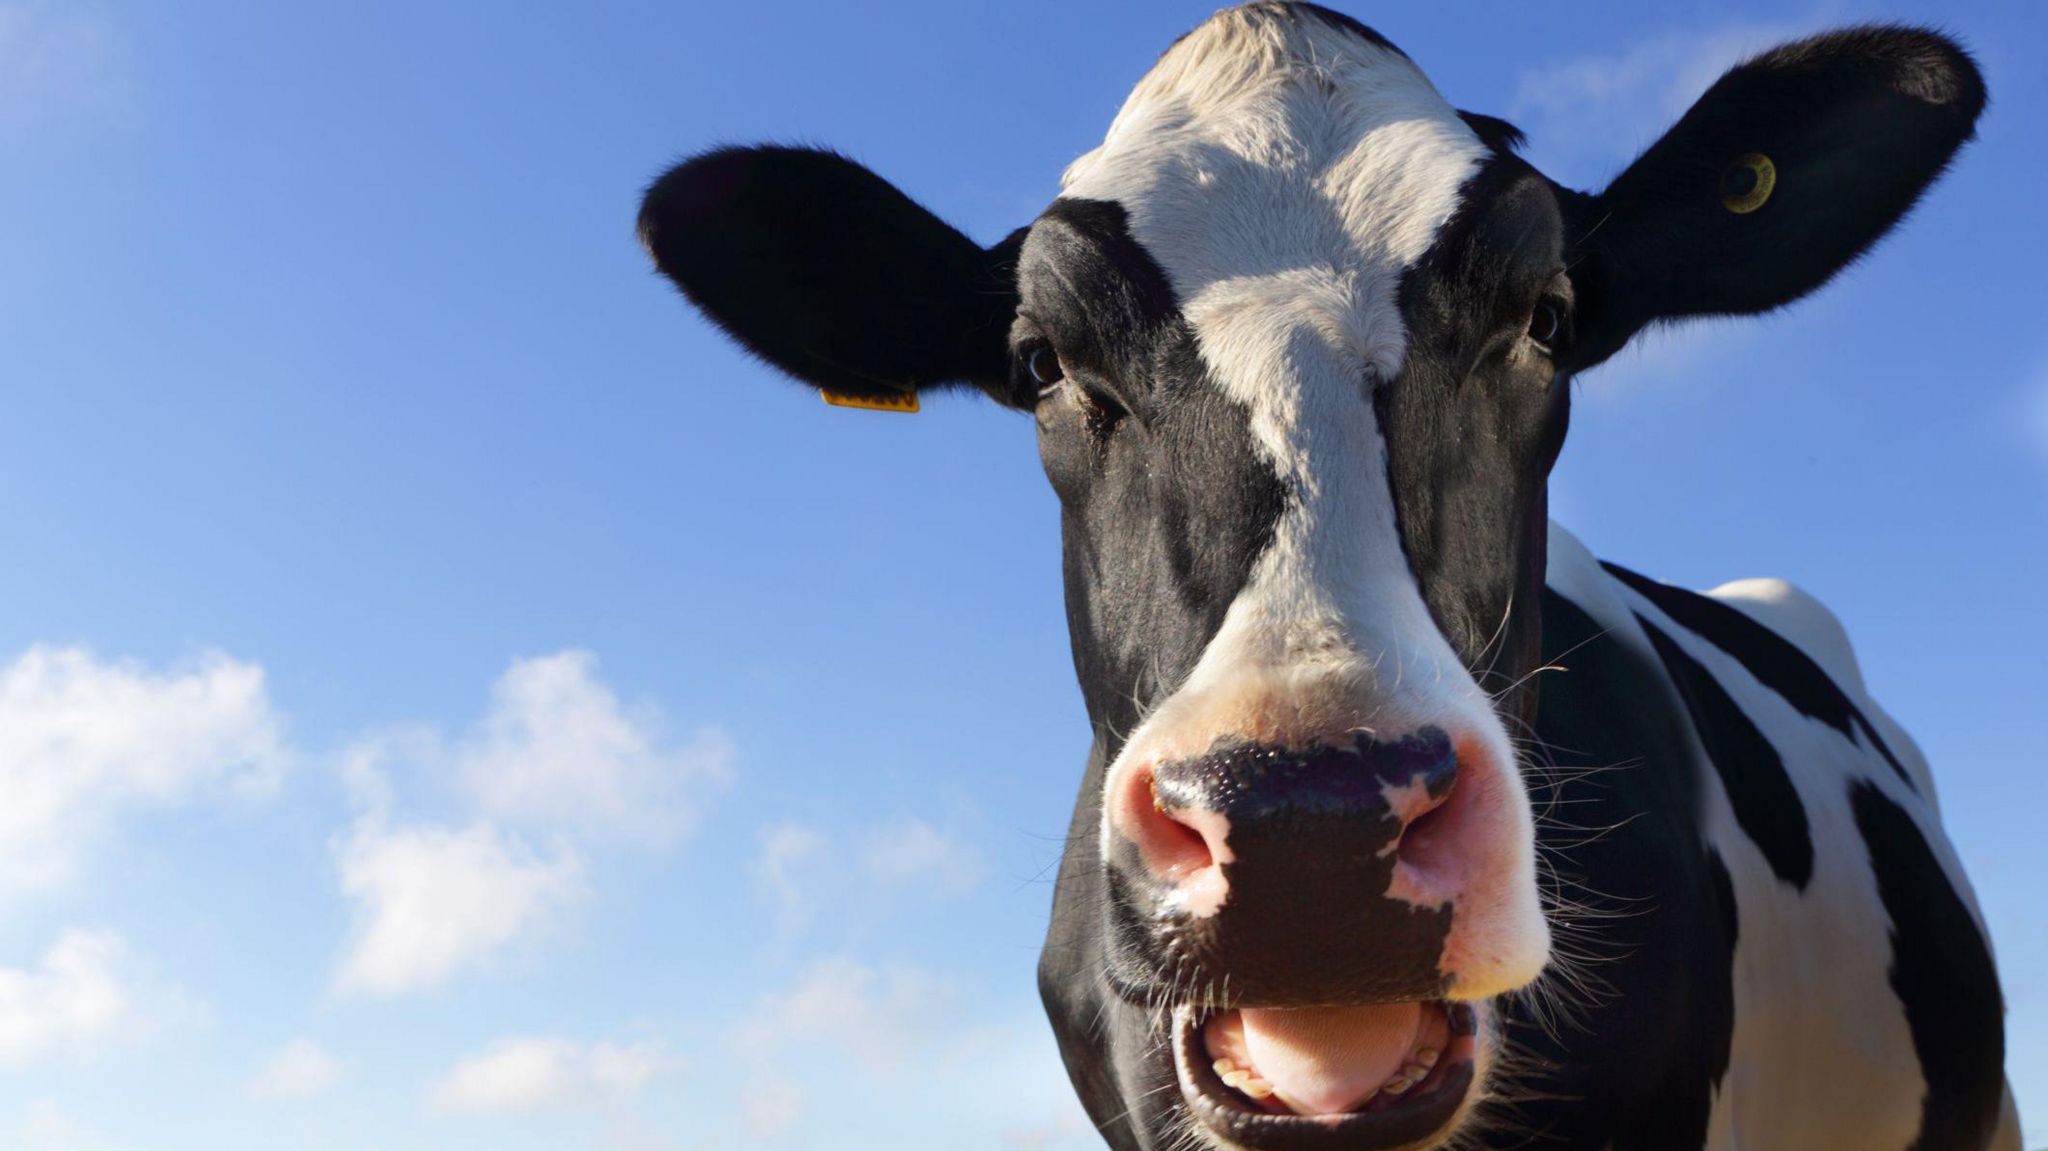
(449, 697)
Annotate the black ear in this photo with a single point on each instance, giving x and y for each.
(826, 271)
(1782, 174)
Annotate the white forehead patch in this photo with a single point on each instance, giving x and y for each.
(1270, 153)
(1285, 173)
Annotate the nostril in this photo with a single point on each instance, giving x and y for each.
(1181, 845)
(1423, 827)
(1434, 826)
(1171, 843)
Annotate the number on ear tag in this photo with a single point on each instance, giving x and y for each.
(905, 402)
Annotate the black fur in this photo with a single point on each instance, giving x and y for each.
(1775, 661)
(1471, 504)
(1499, 135)
(1164, 504)
(1633, 1064)
(1943, 973)
(1858, 123)
(827, 271)
(1752, 772)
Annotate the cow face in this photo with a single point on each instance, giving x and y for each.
(1296, 340)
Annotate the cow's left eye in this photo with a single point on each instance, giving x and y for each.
(1546, 324)
(1044, 365)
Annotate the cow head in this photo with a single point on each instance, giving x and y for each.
(1297, 340)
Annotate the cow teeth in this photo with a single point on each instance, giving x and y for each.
(1414, 1072)
(1242, 1080)
(1398, 1085)
(1428, 1056)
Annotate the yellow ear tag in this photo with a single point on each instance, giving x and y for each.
(905, 402)
(1748, 182)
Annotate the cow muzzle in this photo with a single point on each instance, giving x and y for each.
(1311, 876)
(1323, 918)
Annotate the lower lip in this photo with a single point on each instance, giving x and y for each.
(1425, 1110)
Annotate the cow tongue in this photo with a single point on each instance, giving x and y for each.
(1324, 1060)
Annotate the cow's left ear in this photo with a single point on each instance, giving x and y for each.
(830, 273)
(1782, 174)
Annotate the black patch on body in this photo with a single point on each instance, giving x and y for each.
(1751, 770)
(1724, 899)
(1944, 977)
(1637, 1069)
(1775, 661)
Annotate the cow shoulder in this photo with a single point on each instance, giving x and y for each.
(1859, 938)
(1787, 609)
(1807, 624)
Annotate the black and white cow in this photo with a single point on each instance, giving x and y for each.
(1346, 871)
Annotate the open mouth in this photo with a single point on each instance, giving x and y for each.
(1320, 1078)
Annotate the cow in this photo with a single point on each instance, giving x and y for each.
(1407, 822)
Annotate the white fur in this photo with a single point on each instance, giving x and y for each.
(1285, 174)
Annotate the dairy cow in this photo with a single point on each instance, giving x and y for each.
(1408, 823)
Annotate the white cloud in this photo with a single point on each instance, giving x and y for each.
(913, 852)
(1067, 1126)
(883, 1014)
(556, 766)
(47, 1126)
(770, 1107)
(789, 868)
(1588, 116)
(75, 1001)
(558, 750)
(298, 1070)
(83, 740)
(530, 1073)
(800, 866)
(432, 900)
(877, 1021)
(871, 1044)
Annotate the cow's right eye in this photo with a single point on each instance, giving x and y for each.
(1044, 365)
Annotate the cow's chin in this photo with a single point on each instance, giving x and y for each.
(1369, 1078)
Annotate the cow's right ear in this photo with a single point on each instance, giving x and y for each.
(828, 272)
